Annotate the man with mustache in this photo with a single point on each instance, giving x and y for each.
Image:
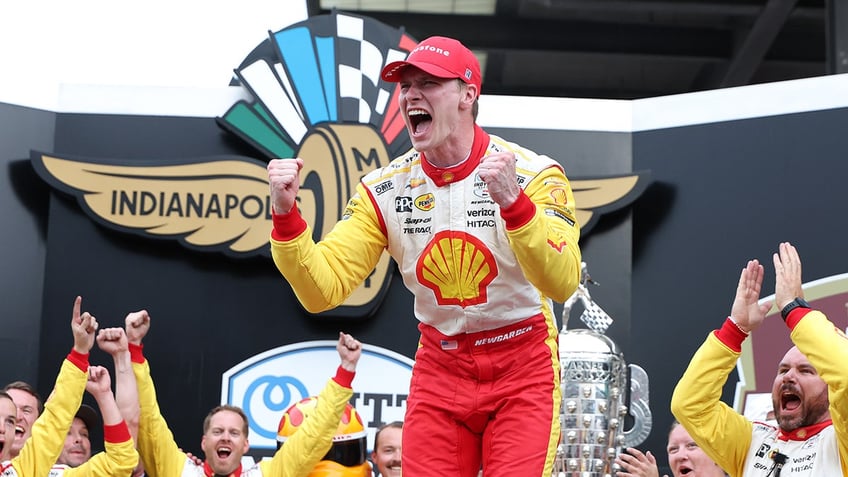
(48, 432)
(387, 449)
(811, 437)
(77, 449)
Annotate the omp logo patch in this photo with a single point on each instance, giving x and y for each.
(384, 187)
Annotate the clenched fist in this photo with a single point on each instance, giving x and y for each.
(284, 181)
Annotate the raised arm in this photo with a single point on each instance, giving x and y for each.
(822, 342)
(114, 342)
(120, 457)
(156, 445)
(722, 433)
(544, 214)
(284, 182)
(306, 447)
(48, 432)
(747, 312)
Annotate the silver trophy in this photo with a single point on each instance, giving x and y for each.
(594, 394)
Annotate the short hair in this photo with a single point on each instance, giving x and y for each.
(27, 388)
(475, 108)
(226, 407)
(394, 424)
(5, 395)
(674, 423)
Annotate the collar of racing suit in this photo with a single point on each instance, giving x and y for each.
(804, 433)
(443, 176)
(208, 472)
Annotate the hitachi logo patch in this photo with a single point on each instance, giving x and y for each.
(506, 336)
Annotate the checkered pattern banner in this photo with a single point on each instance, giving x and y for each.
(595, 317)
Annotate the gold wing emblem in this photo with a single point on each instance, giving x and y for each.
(597, 196)
(213, 204)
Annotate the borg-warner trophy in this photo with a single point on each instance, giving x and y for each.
(595, 385)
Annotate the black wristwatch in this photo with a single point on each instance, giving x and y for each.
(796, 303)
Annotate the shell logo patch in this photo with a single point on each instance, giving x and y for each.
(560, 196)
(457, 267)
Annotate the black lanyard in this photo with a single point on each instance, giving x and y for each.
(779, 459)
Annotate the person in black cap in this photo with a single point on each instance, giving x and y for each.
(120, 456)
(77, 448)
(485, 235)
(38, 456)
(225, 429)
(809, 391)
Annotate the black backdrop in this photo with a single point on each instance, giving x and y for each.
(722, 193)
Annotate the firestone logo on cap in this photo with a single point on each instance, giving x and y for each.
(434, 49)
(442, 57)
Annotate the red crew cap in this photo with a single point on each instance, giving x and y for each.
(441, 57)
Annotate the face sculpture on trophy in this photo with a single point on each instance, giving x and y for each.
(595, 385)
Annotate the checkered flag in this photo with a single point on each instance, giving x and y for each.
(595, 317)
(363, 95)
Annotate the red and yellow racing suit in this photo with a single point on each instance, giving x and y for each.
(485, 384)
(40, 451)
(296, 458)
(748, 449)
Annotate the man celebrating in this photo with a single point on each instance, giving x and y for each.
(485, 235)
(77, 448)
(42, 448)
(809, 391)
(225, 429)
(29, 406)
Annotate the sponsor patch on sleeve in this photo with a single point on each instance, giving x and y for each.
(560, 215)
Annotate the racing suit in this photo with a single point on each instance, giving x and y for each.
(743, 448)
(485, 384)
(296, 458)
(41, 450)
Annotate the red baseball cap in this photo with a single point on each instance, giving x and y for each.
(441, 57)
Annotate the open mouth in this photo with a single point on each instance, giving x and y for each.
(223, 452)
(789, 401)
(684, 470)
(19, 431)
(420, 120)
